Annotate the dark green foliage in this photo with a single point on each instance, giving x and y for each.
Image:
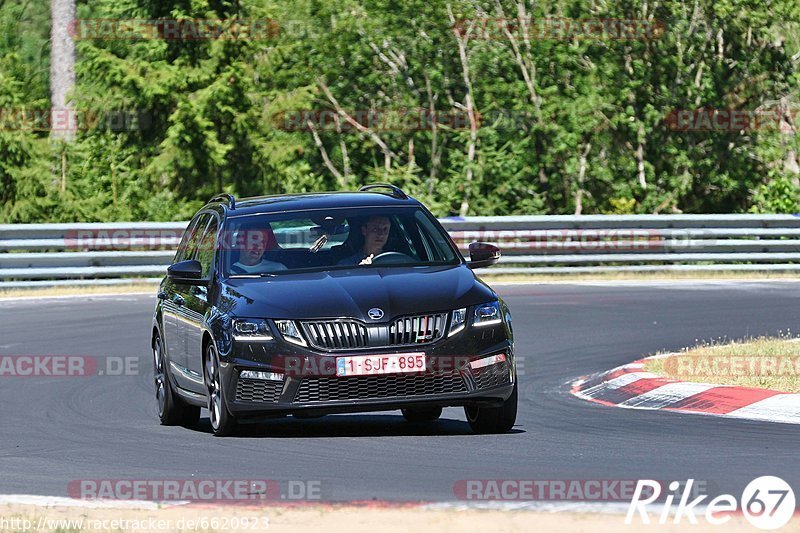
(586, 125)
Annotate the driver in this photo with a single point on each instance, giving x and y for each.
(376, 234)
(253, 242)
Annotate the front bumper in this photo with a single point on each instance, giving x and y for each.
(311, 386)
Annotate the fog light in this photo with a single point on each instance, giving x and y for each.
(266, 376)
(487, 361)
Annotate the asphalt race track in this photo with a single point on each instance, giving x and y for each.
(58, 429)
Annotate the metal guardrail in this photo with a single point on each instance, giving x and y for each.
(88, 253)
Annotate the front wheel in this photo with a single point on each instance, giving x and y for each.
(172, 411)
(222, 422)
(493, 419)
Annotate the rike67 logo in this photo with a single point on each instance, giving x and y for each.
(767, 502)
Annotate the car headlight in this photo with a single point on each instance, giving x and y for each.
(457, 321)
(251, 330)
(290, 331)
(487, 315)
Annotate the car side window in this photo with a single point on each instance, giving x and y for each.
(180, 255)
(441, 250)
(194, 241)
(208, 246)
(404, 237)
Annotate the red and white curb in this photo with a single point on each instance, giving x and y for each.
(630, 387)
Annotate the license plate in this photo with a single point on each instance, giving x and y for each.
(370, 365)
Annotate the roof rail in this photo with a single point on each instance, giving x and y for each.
(397, 192)
(225, 198)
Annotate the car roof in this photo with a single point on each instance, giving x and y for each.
(326, 200)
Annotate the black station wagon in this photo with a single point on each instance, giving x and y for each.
(311, 304)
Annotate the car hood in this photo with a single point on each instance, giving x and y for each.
(352, 292)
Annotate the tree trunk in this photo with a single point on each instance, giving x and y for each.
(462, 41)
(581, 179)
(62, 69)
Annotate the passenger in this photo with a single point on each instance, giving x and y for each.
(376, 234)
(252, 243)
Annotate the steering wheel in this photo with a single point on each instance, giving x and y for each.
(392, 257)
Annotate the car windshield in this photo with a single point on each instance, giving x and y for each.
(267, 244)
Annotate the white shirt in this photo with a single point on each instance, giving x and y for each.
(263, 266)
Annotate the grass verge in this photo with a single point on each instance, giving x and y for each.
(764, 362)
(88, 290)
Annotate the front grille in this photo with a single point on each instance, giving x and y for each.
(375, 387)
(256, 390)
(336, 334)
(417, 329)
(491, 376)
(348, 334)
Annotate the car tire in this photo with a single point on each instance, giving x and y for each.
(422, 414)
(172, 411)
(493, 419)
(223, 423)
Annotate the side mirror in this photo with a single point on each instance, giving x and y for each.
(483, 254)
(189, 272)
